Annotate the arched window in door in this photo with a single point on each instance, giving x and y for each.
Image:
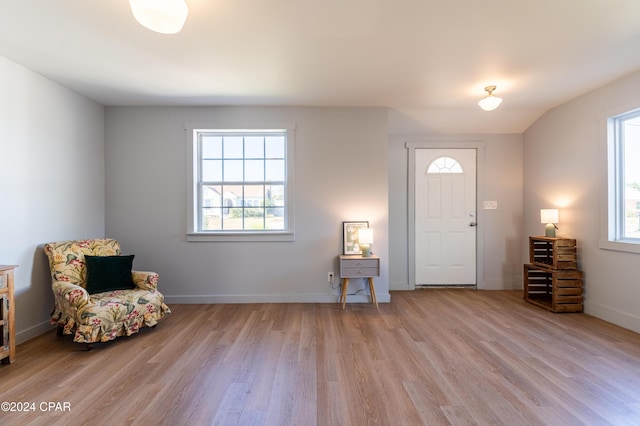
(444, 165)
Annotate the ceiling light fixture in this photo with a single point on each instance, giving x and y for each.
(161, 16)
(491, 101)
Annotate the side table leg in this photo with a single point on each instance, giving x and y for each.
(343, 294)
(372, 290)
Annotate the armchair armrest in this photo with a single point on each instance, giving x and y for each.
(74, 295)
(145, 280)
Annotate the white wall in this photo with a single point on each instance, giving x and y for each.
(499, 231)
(51, 182)
(341, 171)
(564, 167)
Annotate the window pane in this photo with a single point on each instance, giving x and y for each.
(444, 165)
(211, 146)
(212, 170)
(275, 170)
(233, 147)
(274, 218)
(232, 195)
(254, 147)
(211, 196)
(254, 218)
(275, 147)
(254, 170)
(631, 176)
(233, 220)
(232, 170)
(254, 195)
(211, 219)
(274, 195)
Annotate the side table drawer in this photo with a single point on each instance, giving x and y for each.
(360, 263)
(356, 267)
(359, 272)
(4, 279)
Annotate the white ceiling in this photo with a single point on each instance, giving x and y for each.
(428, 59)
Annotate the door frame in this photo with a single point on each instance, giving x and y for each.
(411, 202)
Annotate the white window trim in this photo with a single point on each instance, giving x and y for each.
(193, 234)
(608, 204)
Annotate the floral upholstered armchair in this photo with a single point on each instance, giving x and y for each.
(91, 301)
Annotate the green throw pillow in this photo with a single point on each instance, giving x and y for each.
(108, 273)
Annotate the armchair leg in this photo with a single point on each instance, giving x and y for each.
(89, 346)
(60, 331)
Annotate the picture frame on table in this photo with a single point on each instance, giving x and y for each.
(350, 236)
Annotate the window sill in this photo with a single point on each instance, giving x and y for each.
(240, 237)
(626, 246)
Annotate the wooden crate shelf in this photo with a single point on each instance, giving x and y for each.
(7, 316)
(4, 326)
(553, 289)
(553, 253)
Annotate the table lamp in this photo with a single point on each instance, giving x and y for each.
(550, 218)
(365, 239)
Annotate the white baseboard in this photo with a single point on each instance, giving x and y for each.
(500, 285)
(399, 286)
(612, 315)
(31, 332)
(271, 298)
(483, 285)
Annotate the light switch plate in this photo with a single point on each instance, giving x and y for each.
(490, 205)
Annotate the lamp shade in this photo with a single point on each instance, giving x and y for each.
(549, 216)
(161, 16)
(365, 236)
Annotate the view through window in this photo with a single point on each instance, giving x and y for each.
(242, 180)
(626, 140)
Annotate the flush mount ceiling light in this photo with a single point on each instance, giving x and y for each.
(491, 101)
(161, 16)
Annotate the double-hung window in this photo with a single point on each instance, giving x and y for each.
(240, 183)
(623, 186)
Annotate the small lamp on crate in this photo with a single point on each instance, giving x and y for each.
(365, 239)
(550, 218)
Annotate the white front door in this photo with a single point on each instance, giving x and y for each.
(445, 217)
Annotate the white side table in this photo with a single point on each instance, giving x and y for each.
(356, 266)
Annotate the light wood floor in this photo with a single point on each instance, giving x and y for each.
(433, 357)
